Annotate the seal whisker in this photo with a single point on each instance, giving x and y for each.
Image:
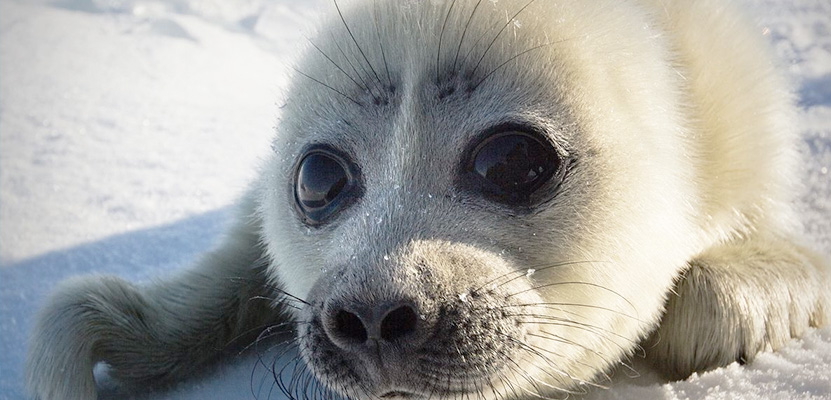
(278, 376)
(558, 306)
(637, 347)
(351, 64)
(282, 299)
(548, 320)
(286, 294)
(441, 36)
(516, 369)
(319, 50)
(487, 49)
(381, 44)
(358, 46)
(464, 32)
(478, 39)
(551, 364)
(560, 339)
(296, 378)
(523, 272)
(514, 57)
(328, 87)
(265, 333)
(601, 287)
(309, 382)
(271, 288)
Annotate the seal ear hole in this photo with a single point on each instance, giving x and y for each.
(510, 163)
(323, 184)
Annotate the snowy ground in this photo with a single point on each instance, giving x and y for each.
(128, 127)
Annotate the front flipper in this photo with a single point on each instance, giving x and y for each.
(157, 333)
(737, 299)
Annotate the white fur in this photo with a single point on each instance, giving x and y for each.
(673, 222)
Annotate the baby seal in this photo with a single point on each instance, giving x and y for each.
(492, 200)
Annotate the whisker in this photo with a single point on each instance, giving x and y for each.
(287, 346)
(525, 375)
(355, 41)
(464, 32)
(500, 66)
(355, 70)
(556, 306)
(264, 334)
(547, 285)
(381, 42)
(364, 389)
(328, 87)
(503, 379)
(284, 292)
(268, 286)
(536, 268)
(558, 338)
(285, 301)
(549, 320)
(290, 388)
(441, 36)
(251, 378)
(276, 376)
(335, 64)
(307, 383)
(552, 365)
(543, 320)
(495, 392)
(487, 49)
(479, 39)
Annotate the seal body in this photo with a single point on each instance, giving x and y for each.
(492, 200)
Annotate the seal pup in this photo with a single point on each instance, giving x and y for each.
(489, 199)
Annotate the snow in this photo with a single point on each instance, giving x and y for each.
(128, 128)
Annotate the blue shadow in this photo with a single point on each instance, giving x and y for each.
(137, 256)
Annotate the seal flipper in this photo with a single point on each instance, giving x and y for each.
(158, 333)
(737, 299)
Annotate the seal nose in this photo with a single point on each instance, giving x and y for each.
(387, 322)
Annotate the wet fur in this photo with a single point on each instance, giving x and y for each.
(669, 236)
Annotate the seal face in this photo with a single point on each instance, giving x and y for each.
(471, 198)
(532, 183)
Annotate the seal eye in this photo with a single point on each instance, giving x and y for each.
(512, 164)
(321, 185)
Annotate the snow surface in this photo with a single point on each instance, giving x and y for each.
(128, 128)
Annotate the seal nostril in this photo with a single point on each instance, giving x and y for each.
(349, 326)
(398, 322)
